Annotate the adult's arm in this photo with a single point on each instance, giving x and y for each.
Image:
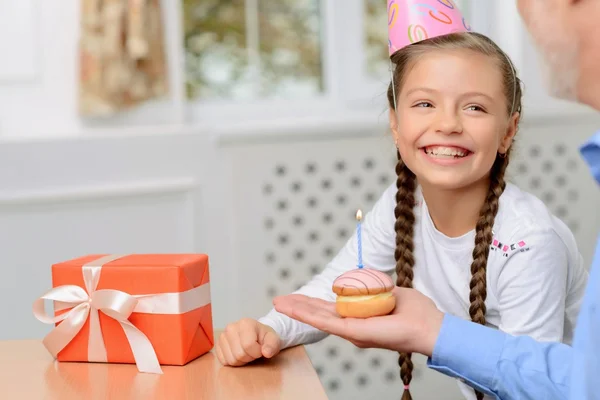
(502, 365)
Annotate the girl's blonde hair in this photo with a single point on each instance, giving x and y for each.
(406, 183)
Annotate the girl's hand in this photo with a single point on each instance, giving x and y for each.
(245, 341)
(413, 326)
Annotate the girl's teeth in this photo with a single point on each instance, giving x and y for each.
(444, 152)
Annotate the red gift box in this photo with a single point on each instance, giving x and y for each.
(147, 309)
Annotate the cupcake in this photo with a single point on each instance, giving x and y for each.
(364, 293)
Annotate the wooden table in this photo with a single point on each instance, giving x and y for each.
(27, 371)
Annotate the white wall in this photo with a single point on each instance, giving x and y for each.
(65, 198)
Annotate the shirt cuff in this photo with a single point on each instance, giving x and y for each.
(267, 320)
(279, 328)
(469, 352)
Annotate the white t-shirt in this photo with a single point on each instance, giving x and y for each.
(535, 273)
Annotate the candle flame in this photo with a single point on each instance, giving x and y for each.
(359, 215)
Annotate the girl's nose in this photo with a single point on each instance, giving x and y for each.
(447, 123)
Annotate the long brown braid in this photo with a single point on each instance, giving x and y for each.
(407, 182)
(483, 241)
(405, 260)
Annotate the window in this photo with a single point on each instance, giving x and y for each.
(253, 49)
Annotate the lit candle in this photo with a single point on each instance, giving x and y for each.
(358, 236)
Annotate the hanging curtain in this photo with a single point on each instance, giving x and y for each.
(122, 56)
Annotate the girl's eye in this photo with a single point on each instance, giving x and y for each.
(423, 104)
(475, 108)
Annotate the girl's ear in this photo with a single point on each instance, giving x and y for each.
(511, 131)
(394, 124)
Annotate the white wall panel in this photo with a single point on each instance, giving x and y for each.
(66, 198)
(19, 25)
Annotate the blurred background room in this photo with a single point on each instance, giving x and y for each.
(250, 130)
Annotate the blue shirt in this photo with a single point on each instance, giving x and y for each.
(510, 367)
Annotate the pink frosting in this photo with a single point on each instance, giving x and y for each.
(365, 279)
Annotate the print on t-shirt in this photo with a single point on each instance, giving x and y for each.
(507, 249)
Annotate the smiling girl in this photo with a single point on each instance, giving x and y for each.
(451, 227)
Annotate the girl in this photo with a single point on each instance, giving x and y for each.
(451, 227)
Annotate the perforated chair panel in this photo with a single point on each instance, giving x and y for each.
(297, 205)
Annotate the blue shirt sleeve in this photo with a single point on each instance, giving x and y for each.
(501, 365)
(586, 345)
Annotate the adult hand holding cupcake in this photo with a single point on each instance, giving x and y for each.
(412, 326)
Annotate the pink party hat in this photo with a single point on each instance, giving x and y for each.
(411, 21)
